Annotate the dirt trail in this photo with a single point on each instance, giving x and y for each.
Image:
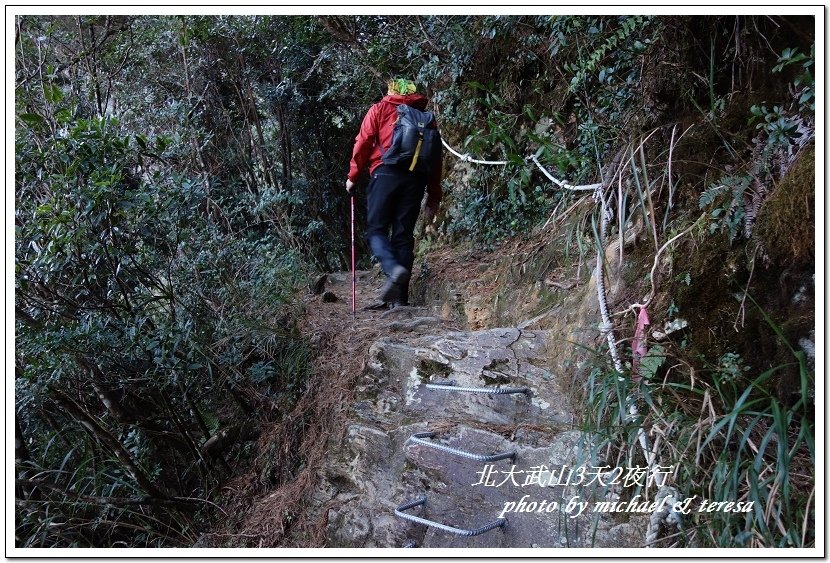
(341, 462)
(362, 462)
(281, 517)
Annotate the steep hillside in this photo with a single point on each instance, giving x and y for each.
(525, 315)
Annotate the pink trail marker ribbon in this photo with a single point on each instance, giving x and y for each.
(638, 345)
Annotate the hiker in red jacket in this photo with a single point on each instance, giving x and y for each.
(395, 191)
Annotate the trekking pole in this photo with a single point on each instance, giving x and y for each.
(354, 275)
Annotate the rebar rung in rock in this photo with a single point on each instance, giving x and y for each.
(497, 523)
(418, 439)
(451, 386)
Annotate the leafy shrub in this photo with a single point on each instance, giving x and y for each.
(135, 307)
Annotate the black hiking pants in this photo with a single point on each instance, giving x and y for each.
(393, 203)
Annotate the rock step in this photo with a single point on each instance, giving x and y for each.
(387, 470)
(393, 389)
(377, 468)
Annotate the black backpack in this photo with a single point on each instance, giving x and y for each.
(416, 143)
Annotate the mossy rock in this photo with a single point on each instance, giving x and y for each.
(786, 223)
(429, 368)
(708, 303)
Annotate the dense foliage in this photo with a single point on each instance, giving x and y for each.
(177, 178)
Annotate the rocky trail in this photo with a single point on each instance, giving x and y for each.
(475, 422)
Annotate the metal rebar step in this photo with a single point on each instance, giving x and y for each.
(418, 438)
(451, 386)
(400, 512)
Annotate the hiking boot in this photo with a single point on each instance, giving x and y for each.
(376, 306)
(395, 285)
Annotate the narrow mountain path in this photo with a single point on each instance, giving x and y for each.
(506, 402)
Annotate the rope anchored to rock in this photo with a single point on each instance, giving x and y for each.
(468, 158)
(564, 185)
(666, 515)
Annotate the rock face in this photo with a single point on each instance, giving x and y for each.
(378, 467)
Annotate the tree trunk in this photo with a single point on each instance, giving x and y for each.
(90, 422)
(227, 437)
(21, 452)
(259, 146)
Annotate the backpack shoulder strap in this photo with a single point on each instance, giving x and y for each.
(399, 111)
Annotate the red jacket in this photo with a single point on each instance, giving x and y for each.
(376, 131)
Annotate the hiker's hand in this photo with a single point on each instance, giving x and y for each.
(349, 186)
(429, 214)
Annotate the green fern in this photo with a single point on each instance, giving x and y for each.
(730, 214)
(711, 194)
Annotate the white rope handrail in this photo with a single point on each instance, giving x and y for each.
(467, 158)
(668, 515)
(564, 185)
(607, 328)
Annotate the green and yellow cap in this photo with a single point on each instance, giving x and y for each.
(401, 86)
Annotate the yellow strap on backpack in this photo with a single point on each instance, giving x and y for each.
(417, 152)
